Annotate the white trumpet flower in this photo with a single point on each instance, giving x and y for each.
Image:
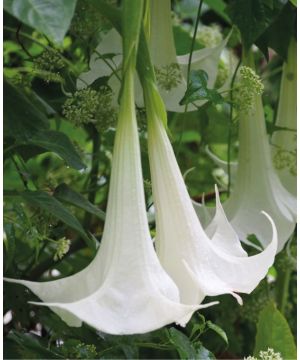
(284, 142)
(171, 70)
(200, 266)
(257, 186)
(125, 289)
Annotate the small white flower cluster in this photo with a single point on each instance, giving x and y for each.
(209, 36)
(248, 86)
(270, 354)
(168, 76)
(91, 106)
(63, 246)
(223, 74)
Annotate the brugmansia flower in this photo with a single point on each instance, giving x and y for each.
(257, 186)
(284, 141)
(171, 70)
(125, 289)
(200, 266)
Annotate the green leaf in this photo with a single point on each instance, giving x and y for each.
(274, 37)
(217, 330)
(182, 344)
(252, 17)
(294, 2)
(273, 331)
(51, 205)
(183, 40)
(10, 244)
(203, 353)
(33, 349)
(60, 144)
(64, 193)
(219, 6)
(50, 17)
(21, 118)
(197, 89)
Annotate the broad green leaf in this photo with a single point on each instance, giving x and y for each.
(10, 244)
(183, 41)
(252, 17)
(32, 346)
(64, 193)
(51, 205)
(22, 118)
(50, 17)
(182, 344)
(273, 331)
(217, 330)
(294, 2)
(60, 144)
(219, 6)
(274, 37)
(197, 89)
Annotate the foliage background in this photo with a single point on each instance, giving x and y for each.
(56, 178)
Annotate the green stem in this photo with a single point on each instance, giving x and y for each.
(283, 281)
(189, 71)
(230, 127)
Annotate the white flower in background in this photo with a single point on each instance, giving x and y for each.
(257, 186)
(125, 289)
(284, 142)
(199, 265)
(171, 70)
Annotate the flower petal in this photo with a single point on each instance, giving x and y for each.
(284, 142)
(197, 265)
(125, 289)
(110, 49)
(222, 233)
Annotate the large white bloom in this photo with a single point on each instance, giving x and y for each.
(171, 70)
(284, 142)
(124, 290)
(200, 266)
(257, 186)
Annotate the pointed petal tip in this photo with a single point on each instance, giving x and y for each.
(238, 298)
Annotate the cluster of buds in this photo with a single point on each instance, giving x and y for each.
(284, 159)
(62, 247)
(91, 106)
(249, 85)
(168, 76)
(209, 36)
(222, 74)
(48, 65)
(270, 354)
(87, 20)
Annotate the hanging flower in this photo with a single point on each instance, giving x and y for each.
(284, 142)
(200, 266)
(124, 290)
(257, 186)
(171, 70)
